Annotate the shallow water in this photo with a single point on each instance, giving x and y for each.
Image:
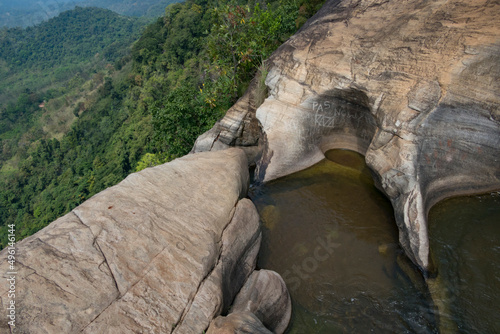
(331, 235)
(465, 245)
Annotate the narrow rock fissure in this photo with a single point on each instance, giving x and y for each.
(190, 302)
(188, 306)
(97, 247)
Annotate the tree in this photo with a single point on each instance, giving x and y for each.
(241, 38)
(179, 119)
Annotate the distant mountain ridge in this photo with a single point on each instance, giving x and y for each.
(54, 51)
(25, 13)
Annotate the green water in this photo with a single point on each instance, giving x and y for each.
(331, 235)
(465, 245)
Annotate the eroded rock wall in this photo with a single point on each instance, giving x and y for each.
(413, 85)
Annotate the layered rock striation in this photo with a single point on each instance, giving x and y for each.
(414, 86)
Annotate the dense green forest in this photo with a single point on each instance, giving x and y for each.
(62, 62)
(148, 107)
(147, 8)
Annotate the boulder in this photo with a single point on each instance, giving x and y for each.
(265, 295)
(263, 305)
(240, 246)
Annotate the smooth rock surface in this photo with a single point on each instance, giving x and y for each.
(413, 85)
(263, 305)
(265, 295)
(63, 280)
(137, 257)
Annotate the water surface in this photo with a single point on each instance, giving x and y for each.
(332, 236)
(465, 246)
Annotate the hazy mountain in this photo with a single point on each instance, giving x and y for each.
(149, 8)
(24, 13)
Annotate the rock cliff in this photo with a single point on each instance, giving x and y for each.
(164, 251)
(413, 85)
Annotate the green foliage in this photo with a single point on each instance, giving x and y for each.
(73, 36)
(180, 77)
(147, 8)
(261, 88)
(148, 160)
(179, 119)
(242, 37)
(306, 9)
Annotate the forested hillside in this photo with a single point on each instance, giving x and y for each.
(184, 72)
(68, 39)
(24, 13)
(56, 50)
(49, 73)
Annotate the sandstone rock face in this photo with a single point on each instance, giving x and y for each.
(238, 127)
(168, 247)
(413, 85)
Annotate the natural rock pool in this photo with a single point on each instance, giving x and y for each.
(331, 235)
